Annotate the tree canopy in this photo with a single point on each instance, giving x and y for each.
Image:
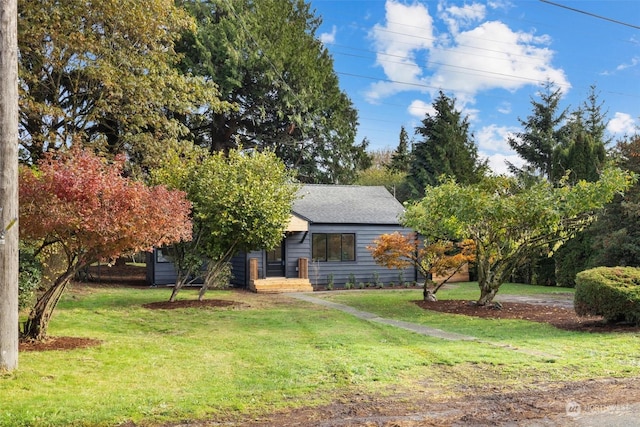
(509, 222)
(84, 208)
(447, 148)
(102, 73)
(241, 202)
(268, 62)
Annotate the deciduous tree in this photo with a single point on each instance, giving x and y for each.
(83, 206)
(442, 258)
(102, 73)
(241, 202)
(509, 222)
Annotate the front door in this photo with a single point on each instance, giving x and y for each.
(275, 261)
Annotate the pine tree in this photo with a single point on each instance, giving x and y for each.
(543, 131)
(447, 148)
(401, 158)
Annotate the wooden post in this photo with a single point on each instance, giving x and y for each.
(303, 268)
(8, 185)
(253, 269)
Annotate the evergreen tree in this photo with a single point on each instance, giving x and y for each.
(446, 148)
(268, 62)
(542, 133)
(401, 158)
(617, 232)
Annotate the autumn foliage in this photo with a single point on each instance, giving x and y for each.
(440, 259)
(88, 211)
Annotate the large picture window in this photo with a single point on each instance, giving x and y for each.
(333, 247)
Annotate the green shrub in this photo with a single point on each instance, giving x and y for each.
(330, 282)
(611, 292)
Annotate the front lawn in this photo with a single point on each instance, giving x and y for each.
(272, 352)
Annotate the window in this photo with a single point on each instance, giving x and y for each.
(162, 255)
(333, 247)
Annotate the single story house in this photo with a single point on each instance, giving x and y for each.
(325, 243)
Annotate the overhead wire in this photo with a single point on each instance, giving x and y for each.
(573, 9)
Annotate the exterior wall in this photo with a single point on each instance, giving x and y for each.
(240, 269)
(298, 245)
(162, 271)
(364, 267)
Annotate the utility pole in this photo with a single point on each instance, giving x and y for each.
(8, 185)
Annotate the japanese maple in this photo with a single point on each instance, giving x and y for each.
(88, 211)
(441, 258)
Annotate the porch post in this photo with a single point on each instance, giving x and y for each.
(303, 268)
(253, 269)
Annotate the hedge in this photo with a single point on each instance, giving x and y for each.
(611, 292)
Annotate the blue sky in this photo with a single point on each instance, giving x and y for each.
(393, 56)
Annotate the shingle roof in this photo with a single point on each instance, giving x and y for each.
(347, 204)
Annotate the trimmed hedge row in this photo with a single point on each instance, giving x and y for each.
(611, 292)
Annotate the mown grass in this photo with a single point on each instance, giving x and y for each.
(273, 352)
(567, 355)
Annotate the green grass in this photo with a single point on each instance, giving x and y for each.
(158, 366)
(563, 354)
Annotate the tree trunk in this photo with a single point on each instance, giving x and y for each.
(35, 327)
(428, 294)
(9, 332)
(488, 281)
(181, 279)
(216, 272)
(487, 294)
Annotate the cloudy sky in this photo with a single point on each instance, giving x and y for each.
(492, 56)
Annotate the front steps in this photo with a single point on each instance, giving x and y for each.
(277, 285)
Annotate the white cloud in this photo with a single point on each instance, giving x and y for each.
(420, 109)
(634, 61)
(329, 38)
(456, 16)
(504, 108)
(493, 138)
(486, 55)
(408, 29)
(493, 146)
(622, 124)
(498, 162)
(492, 56)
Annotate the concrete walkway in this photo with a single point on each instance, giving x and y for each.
(414, 327)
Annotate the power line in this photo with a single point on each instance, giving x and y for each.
(573, 9)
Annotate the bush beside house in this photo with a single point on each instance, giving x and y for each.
(611, 292)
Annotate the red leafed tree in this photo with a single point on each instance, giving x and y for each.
(84, 207)
(441, 258)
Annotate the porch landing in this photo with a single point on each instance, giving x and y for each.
(276, 285)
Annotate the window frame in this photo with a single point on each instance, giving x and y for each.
(325, 239)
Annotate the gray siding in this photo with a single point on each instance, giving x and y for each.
(364, 267)
(298, 245)
(240, 269)
(163, 273)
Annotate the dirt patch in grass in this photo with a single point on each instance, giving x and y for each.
(540, 405)
(58, 343)
(558, 316)
(205, 303)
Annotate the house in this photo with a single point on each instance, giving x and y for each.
(325, 242)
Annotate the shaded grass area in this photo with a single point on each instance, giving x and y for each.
(272, 352)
